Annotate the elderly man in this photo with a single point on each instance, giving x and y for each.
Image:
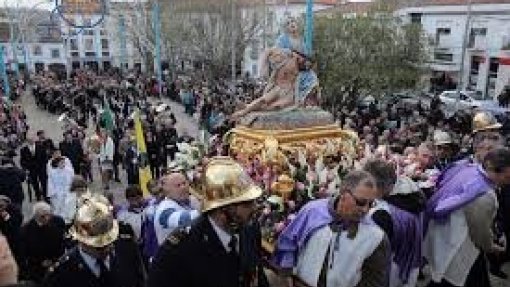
(222, 247)
(330, 244)
(42, 241)
(178, 209)
(460, 215)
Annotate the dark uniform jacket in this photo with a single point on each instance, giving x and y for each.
(197, 258)
(126, 269)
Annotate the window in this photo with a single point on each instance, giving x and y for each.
(88, 32)
(254, 49)
(475, 64)
(90, 54)
(104, 44)
(445, 57)
(89, 44)
(75, 54)
(37, 51)
(55, 53)
(476, 33)
(416, 18)
(443, 31)
(73, 44)
(106, 54)
(492, 77)
(479, 31)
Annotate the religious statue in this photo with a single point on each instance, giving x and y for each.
(286, 119)
(291, 79)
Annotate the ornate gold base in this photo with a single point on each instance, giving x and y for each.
(274, 146)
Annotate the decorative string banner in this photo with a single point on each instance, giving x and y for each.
(68, 9)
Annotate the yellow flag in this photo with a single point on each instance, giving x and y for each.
(143, 160)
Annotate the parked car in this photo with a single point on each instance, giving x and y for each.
(453, 100)
(409, 98)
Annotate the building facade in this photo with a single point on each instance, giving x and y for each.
(486, 65)
(105, 45)
(30, 39)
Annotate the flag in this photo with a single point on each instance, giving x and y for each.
(144, 170)
(106, 118)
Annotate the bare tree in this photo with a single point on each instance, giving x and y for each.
(203, 33)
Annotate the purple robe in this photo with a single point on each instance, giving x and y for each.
(456, 187)
(310, 218)
(407, 240)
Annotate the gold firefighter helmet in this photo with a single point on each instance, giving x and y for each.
(94, 224)
(484, 121)
(441, 138)
(225, 182)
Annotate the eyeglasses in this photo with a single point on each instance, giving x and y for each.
(362, 202)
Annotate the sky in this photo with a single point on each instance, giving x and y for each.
(49, 4)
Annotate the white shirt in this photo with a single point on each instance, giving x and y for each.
(106, 151)
(224, 236)
(92, 262)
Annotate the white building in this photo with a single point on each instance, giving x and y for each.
(276, 11)
(105, 45)
(37, 44)
(487, 58)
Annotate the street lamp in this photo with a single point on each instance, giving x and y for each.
(464, 48)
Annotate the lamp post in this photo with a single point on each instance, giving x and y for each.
(464, 47)
(233, 47)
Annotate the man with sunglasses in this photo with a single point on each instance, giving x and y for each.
(330, 242)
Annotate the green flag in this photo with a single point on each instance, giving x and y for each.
(106, 118)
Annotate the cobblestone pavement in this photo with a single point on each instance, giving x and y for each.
(40, 119)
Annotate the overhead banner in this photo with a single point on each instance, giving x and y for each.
(82, 6)
(86, 8)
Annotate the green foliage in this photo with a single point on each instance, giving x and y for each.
(373, 55)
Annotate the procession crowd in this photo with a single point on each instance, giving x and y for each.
(426, 196)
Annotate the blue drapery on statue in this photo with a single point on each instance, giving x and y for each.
(307, 80)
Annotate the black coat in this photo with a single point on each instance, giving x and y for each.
(43, 150)
(198, 259)
(73, 151)
(27, 159)
(126, 268)
(11, 180)
(40, 243)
